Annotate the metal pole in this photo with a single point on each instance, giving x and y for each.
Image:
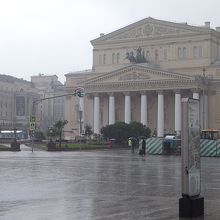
(80, 122)
(203, 108)
(80, 125)
(32, 149)
(203, 94)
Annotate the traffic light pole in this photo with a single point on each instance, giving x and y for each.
(79, 91)
(32, 149)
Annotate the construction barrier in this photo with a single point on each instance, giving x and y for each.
(208, 148)
(154, 145)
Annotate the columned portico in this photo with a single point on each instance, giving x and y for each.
(177, 112)
(96, 114)
(127, 108)
(144, 109)
(111, 109)
(160, 115)
(121, 65)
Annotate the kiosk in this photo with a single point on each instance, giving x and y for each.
(191, 204)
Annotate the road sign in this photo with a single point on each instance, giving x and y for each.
(33, 118)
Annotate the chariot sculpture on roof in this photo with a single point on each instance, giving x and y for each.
(139, 58)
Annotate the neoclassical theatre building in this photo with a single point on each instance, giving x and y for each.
(141, 72)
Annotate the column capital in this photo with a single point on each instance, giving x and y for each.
(143, 92)
(196, 90)
(177, 91)
(110, 93)
(96, 94)
(90, 96)
(160, 92)
(127, 93)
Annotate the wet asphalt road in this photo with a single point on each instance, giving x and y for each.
(98, 185)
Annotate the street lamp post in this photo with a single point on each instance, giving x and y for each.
(80, 122)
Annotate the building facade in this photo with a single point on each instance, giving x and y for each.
(141, 72)
(51, 108)
(16, 102)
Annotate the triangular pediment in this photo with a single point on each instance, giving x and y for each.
(150, 28)
(136, 73)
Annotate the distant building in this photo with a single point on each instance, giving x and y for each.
(141, 72)
(16, 102)
(49, 110)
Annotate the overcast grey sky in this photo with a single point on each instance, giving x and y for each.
(53, 36)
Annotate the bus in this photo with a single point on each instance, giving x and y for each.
(10, 134)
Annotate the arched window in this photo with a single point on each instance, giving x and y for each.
(118, 58)
(156, 55)
(100, 59)
(148, 55)
(184, 53)
(104, 58)
(113, 58)
(195, 52)
(179, 53)
(200, 51)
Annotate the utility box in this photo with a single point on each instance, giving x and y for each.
(171, 145)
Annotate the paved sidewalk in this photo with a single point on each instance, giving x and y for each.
(98, 185)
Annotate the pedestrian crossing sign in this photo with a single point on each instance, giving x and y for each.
(32, 126)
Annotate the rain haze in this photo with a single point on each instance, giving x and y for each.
(53, 36)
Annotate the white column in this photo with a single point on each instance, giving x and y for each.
(81, 114)
(127, 109)
(178, 113)
(204, 110)
(111, 109)
(160, 115)
(144, 109)
(96, 114)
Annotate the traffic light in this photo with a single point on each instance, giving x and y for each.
(79, 91)
(74, 93)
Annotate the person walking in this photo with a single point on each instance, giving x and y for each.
(143, 147)
(110, 143)
(130, 143)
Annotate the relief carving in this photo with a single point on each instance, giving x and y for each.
(149, 30)
(134, 76)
